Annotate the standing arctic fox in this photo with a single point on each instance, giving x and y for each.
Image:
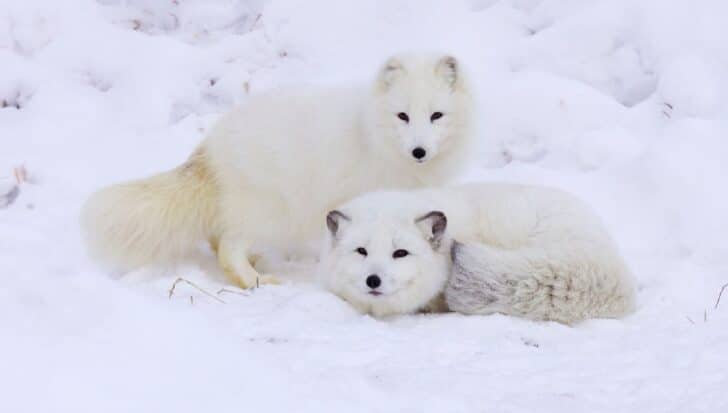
(527, 251)
(270, 170)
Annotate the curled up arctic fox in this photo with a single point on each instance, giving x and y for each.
(481, 248)
(268, 171)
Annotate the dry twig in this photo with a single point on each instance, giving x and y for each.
(21, 174)
(717, 302)
(225, 290)
(193, 285)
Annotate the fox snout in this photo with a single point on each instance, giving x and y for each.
(419, 153)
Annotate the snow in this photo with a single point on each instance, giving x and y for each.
(619, 102)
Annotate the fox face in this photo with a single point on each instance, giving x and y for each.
(422, 107)
(385, 265)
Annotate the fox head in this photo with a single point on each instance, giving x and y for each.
(421, 109)
(385, 261)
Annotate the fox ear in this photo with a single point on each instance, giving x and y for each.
(334, 221)
(390, 72)
(433, 225)
(448, 69)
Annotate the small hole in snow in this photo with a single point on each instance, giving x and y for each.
(97, 82)
(7, 104)
(16, 100)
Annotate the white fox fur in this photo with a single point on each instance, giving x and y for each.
(532, 252)
(268, 171)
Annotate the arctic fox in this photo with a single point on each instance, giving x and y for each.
(532, 252)
(268, 172)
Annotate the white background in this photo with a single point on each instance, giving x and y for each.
(622, 102)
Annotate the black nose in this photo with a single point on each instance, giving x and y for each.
(419, 152)
(373, 281)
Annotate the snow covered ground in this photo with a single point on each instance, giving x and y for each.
(622, 102)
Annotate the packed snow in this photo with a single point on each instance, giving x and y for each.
(621, 102)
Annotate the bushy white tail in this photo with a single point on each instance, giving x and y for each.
(567, 285)
(153, 220)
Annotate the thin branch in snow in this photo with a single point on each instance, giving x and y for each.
(717, 302)
(21, 174)
(9, 197)
(190, 283)
(257, 20)
(9, 191)
(228, 291)
(689, 319)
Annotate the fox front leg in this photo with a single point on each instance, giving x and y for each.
(237, 263)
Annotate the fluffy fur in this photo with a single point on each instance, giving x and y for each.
(270, 170)
(526, 251)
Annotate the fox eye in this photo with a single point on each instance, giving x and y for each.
(400, 253)
(403, 116)
(362, 251)
(435, 116)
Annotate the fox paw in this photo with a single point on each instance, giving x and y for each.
(251, 280)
